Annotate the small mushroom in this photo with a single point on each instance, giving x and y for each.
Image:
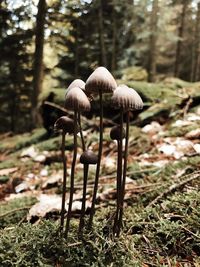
(88, 157)
(66, 125)
(81, 84)
(99, 82)
(115, 133)
(77, 101)
(125, 99)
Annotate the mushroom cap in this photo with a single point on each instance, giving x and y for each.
(64, 123)
(77, 100)
(115, 133)
(126, 98)
(88, 157)
(76, 83)
(100, 80)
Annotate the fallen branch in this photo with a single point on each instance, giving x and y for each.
(174, 187)
(56, 106)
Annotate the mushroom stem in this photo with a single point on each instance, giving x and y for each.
(64, 180)
(119, 174)
(72, 176)
(81, 132)
(124, 171)
(92, 212)
(82, 222)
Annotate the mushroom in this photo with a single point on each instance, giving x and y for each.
(118, 133)
(99, 82)
(125, 99)
(67, 126)
(77, 101)
(88, 157)
(81, 84)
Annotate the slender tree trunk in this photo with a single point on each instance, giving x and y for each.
(180, 36)
(152, 44)
(76, 70)
(103, 59)
(38, 58)
(114, 38)
(196, 74)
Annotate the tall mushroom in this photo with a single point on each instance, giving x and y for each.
(99, 82)
(77, 101)
(87, 157)
(66, 125)
(81, 84)
(125, 99)
(118, 133)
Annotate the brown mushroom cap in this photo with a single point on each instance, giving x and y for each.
(88, 157)
(126, 98)
(100, 80)
(64, 123)
(77, 100)
(115, 133)
(77, 83)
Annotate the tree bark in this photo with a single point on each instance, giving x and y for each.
(103, 59)
(76, 69)
(180, 36)
(196, 75)
(38, 58)
(152, 44)
(114, 38)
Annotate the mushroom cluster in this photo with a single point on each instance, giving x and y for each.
(77, 99)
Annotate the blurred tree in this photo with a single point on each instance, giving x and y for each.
(15, 62)
(181, 30)
(152, 44)
(38, 59)
(195, 70)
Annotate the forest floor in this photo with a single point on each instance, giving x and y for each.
(161, 225)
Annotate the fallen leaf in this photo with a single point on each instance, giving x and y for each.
(194, 134)
(46, 204)
(8, 171)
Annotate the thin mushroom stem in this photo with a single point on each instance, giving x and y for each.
(81, 132)
(72, 176)
(119, 174)
(92, 212)
(82, 222)
(64, 180)
(124, 171)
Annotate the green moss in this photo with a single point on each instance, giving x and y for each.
(40, 245)
(13, 211)
(180, 131)
(4, 179)
(20, 141)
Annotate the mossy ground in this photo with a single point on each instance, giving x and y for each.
(155, 233)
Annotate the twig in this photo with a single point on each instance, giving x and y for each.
(190, 232)
(74, 244)
(13, 211)
(187, 106)
(174, 187)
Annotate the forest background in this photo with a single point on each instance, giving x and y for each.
(46, 44)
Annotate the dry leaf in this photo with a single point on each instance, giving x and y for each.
(8, 171)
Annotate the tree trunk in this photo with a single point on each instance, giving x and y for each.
(196, 74)
(103, 59)
(38, 59)
(180, 36)
(76, 69)
(114, 38)
(152, 44)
